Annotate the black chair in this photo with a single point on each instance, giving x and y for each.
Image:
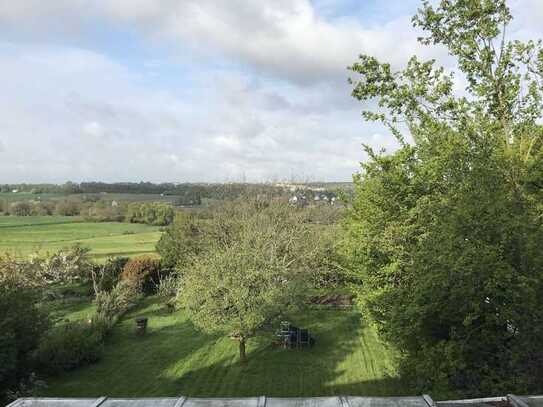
(303, 338)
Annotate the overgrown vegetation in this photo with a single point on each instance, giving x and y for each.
(446, 234)
(32, 341)
(22, 323)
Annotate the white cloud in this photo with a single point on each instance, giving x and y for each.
(281, 108)
(90, 118)
(285, 38)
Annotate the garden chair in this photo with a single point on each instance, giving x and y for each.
(303, 338)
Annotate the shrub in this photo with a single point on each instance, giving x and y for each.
(21, 325)
(21, 322)
(67, 265)
(22, 208)
(143, 273)
(167, 291)
(69, 346)
(106, 276)
(113, 304)
(158, 214)
(68, 208)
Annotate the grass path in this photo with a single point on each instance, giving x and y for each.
(176, 359)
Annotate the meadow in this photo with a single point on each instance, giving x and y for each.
(23, 235)
(173, 358)
(113, 196)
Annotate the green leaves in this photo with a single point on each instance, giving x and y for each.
(446, 234)
(251, 268)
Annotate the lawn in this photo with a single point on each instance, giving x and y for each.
(173, 359)
(27, 234)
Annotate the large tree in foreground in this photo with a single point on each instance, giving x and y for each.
(248, 270)
(446, 233)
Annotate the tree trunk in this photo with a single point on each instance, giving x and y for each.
(242, 354)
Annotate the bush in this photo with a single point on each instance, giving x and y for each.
(46, 208)
(21, 323)
(106, 276)
(21, 326)
(22, 208)
(113, 304)
(167, 291)
(157, 214)
(69, 346)
(68, 208)
(143, 273)
(67, 265)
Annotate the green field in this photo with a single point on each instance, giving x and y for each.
(23, 235)
(174, 359)
(28, 196)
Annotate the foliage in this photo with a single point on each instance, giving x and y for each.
(68, 207)
(325, 267)
(21, 322)
(30, 386)
(66, 265)
(183, 239)
(143, 273)
(157, 214)
(249, 271)
(106, 276)
(167, 291)
(324, 214)
(446, 233)
(110, 305)
(21, 208)
(69, 346)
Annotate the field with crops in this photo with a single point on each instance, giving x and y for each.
(22, 235)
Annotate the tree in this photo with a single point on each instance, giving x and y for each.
(68, 207)
(182, 240)
(22, 322)
(249, 271)
(446, 233)
(158, 214)
(21, 208)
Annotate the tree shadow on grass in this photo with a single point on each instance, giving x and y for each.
(340, 363)
(133, 365)
(173, 358)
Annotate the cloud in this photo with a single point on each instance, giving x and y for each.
(83, 116)
(282, 38)
(238, 88)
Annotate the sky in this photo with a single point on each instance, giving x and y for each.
(197, 90)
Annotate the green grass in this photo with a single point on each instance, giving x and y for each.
(173, 359)
(25, 196)
(27, 234)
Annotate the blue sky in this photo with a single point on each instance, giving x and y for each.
(196, 90)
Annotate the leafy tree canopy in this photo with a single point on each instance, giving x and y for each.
(446, 233)
(249, 270)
